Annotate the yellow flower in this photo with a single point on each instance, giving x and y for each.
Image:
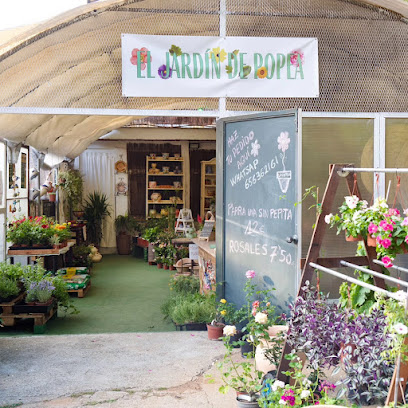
(261, 72)
(223, 312)
(223, 301)
(220, 55)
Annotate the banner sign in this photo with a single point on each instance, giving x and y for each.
(186, 66)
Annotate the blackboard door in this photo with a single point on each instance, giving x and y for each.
(257, 218)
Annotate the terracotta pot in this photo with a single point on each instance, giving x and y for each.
(215, 331)
(165, 266)
(349, 238)
(172, 268)
(160, 266)
(371, 241)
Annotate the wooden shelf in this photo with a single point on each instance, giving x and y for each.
(164, 202)
(207, 188)
(165, 174)
(160, 159)
(165, 188)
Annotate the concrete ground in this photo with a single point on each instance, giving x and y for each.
(112, 370)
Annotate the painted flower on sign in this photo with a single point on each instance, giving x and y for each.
(220, 54)
(283, 141)
(295, 56)
(164, 73)
(143, 57)
(255, 148)
(261, 72)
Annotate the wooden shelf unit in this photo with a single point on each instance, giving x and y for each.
(208, 186)
(164, 180)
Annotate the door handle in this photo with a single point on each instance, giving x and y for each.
(293, 239)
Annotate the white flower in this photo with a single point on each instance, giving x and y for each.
(351, 201)
(277, 384)
(400, 328)
(305, 394)
(364, 204)
(307, 383)
(328, 218)
(283, 141)
(261, 318)
(282, 402)
(229, 330)
(356, 215)
(401, 297)
(255, 148)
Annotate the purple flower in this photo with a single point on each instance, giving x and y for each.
(163, 72)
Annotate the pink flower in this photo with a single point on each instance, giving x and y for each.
(386, 226)
(294, 56)
(387, 261)
(250, 274)
(406, 239)
(255, 304)
(405, 222)
(143, 57)
(386, 243)
(393, 211)
(372, 228)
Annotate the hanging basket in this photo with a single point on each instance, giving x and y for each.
(371, 241)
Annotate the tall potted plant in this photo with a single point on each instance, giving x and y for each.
(125, 226)
(71, 183)
(96, 208)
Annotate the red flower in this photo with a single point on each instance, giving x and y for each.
(44, 226)
(143, 57)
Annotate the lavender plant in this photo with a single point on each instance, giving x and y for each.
(40, 291)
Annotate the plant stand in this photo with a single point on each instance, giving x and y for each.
(185, 221)
(336, 174)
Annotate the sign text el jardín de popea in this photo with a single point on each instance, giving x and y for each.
(184, 66)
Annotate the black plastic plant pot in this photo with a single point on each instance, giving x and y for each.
(192, 327)
(26, 308)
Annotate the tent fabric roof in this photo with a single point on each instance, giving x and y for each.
(74, 61)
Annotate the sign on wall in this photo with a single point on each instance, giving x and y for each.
(186, 66)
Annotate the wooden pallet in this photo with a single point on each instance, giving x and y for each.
(40, 319)
(81, 292)
(7, 308)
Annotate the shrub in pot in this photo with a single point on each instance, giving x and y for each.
(9, 289)
(125, 226)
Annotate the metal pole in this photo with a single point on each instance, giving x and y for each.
(373, 170)
(379, 275)
(397, 268)
(353, 280)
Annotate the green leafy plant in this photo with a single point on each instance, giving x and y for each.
(71, 182)
(8, 287)
(96, 208)
(183, 285)
(151, 234)
(126, 224)
(11, 271)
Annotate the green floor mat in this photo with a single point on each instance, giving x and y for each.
(125, 296)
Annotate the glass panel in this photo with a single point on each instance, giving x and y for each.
(396, 155)
(11, 174)
(327, 141)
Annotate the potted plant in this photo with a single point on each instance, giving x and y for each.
(96, 208)
(71, 183)
(216, 326)
(242, 376)
(351, 218)
(125, 226)
(9, 289)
